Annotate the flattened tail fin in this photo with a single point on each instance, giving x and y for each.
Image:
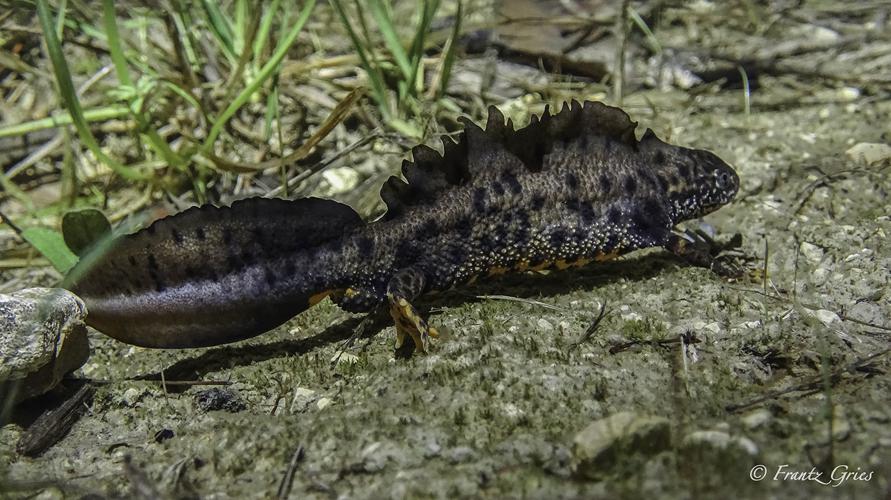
(210, 275)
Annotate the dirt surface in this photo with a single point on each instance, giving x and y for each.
(785, 367)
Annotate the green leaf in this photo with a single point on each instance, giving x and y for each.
(82, 229)
(52, 246)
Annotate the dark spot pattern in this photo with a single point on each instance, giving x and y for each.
(290, 268)
(630, 185)
(269, 276)
(479, 200)
(155, 273)
(557, 238)
(512, 183)
(364, 245)
(614, 216)
(429, 228)
(587, 213)
(537, 202)
(572, 181)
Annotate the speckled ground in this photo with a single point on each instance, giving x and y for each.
(798, 368)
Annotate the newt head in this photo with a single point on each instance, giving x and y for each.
(696, 181)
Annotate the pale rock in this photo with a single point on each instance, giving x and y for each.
(42, 338)
(812, 253)
(618, 438)
(869, 152)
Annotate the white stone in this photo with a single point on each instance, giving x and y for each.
(42, 337)
(812, 253)
(869, 152)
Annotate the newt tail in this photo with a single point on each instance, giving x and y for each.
(211, 275)
(570, 188)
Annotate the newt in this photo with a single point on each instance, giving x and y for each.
(568, 189)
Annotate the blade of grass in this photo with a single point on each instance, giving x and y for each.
(63, 118)
(138, 103)
(221, 28)
(114, 43)
(747, 93)
(417, 46)
(178, 89)
(69, 97)
(337, 115)
(385, 25)
(448, 56)
(16, 192)
(374, 75)
(245, 55)
(183, 41)
(60, 21)
(271, 66)
(239, 30)
(265, 27)
(648, 33)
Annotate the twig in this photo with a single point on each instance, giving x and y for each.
(6, 220)
(522, 300)
(594, 325)
(622, 33)
(813, 383)
(53, 425)
(166, 382)
(284, 487)
(318, 167)
(685, 339)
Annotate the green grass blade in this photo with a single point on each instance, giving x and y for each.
(240, 26)
(449, 52)
(114, 43)
(391, 38)
(60, 20)
(417, 46)
(62, 118)
(221, 28)
(265, 72)
(69, 96)
(648, 33)
(265, 27)
(375, 77)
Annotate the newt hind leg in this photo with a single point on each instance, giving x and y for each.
(404, 287)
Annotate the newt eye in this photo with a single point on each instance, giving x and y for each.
(722, 179)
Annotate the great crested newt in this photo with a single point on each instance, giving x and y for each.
(568, 189)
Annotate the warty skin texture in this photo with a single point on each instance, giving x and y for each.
(569, 189)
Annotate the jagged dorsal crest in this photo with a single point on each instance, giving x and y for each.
(482, 153)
